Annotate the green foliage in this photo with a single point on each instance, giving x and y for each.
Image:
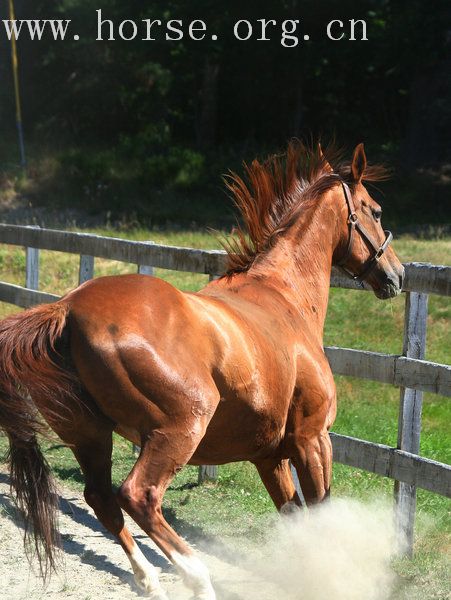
(151, 136)
(229, 92)
(180, 168)
(91, 168)
(125, 122)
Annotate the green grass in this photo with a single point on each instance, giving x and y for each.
(237, 502)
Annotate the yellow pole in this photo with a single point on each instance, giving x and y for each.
(15, 65)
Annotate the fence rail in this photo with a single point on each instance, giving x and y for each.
(409, 371)
(396, 369)
(393, 463)
(419, 277)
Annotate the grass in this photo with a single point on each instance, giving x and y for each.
(237, 502)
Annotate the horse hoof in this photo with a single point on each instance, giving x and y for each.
(146, 585)
(206, 594)
(158, 595)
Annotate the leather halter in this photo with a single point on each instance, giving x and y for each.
(354, 223)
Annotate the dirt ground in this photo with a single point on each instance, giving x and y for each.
(94, 567)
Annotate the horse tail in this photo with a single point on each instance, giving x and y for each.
(30, 371)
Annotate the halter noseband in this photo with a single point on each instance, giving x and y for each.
(354, 223)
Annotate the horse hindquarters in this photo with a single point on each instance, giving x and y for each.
(165, 401)
(30, 379)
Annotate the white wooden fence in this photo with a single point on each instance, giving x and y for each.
(409, 371)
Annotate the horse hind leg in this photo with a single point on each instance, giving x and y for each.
(163, 453)
(277, 479)
(93, 451)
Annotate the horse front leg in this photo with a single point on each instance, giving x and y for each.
(313, 412)
(312, 459)
(276, 476)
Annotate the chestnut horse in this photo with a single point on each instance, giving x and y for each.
(234, 372)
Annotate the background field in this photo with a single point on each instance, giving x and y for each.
(237, 503)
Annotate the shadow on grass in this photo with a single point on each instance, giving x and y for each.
(71, 473)
(190, 485)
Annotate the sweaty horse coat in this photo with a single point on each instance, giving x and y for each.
(234, 372)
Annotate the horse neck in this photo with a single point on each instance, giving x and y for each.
(300, 263)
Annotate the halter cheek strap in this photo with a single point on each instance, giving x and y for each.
(354, 224)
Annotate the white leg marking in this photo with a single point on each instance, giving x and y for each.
(146, 575)
(195, 575)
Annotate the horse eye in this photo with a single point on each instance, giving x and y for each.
(377, 214)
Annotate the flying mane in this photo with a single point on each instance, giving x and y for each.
(274, 191)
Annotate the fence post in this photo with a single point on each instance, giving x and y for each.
(208, 471)
(32, 268)
(409, 424)
(86, 270)
(145, 270)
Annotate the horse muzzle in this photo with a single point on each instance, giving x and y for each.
(391, 287)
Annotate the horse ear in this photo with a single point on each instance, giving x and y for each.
(327, 166)
(358, 165)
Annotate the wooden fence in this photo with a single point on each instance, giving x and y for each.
(409, 371)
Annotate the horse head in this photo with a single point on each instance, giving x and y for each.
(364, 250)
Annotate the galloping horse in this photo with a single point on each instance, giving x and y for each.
(234, 372)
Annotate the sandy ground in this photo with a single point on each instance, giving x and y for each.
(95, 567)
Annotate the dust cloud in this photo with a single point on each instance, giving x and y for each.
(340, 550)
